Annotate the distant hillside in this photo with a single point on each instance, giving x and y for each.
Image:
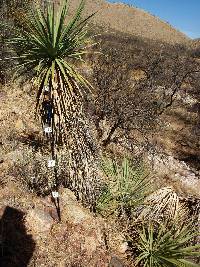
(131, 20)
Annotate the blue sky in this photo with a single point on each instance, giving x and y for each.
(182, 14)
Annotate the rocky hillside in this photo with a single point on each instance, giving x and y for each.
(32, 235)
(131, 20)
(146, 106)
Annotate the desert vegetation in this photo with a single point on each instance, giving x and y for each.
(154, 221)
(136, 83)
(41, 45)
(109, 100)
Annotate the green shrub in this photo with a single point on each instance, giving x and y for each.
(126, 187)
(160, 246)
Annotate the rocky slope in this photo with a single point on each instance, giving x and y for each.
(30, 232)
(31, 235)
(131, 20)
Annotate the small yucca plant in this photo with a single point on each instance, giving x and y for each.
(126, 187)
(159, 246)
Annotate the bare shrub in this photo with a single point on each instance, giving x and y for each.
(137, 82)
(30, 168)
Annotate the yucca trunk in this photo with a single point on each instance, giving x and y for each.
(72, 143)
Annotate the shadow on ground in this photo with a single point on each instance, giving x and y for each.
(16, 246)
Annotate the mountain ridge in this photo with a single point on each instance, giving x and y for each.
(131, 20)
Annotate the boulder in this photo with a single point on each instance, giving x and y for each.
(39, 221)
(75, 214)
(116, 262)
(178, 172)
(67, 196)
(71, 211)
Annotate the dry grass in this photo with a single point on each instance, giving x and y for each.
(19, 131)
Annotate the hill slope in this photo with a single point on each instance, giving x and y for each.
(131, 20)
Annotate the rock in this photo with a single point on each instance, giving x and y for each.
(67, 196)
(116, 262)
(179, 172)
(138, 74)
(123, 247)
(73, 213)
(39, 221)
(90, 244)
(19, 125)
(49, 207)
(119, 245)
(26, 87)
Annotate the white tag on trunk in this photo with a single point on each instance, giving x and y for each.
(51, 163)
(55, 194)
(47, 130)
(46, 88)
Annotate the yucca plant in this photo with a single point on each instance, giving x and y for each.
(159, 246)
(126, 187)
(47, 47)
(46, 44)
